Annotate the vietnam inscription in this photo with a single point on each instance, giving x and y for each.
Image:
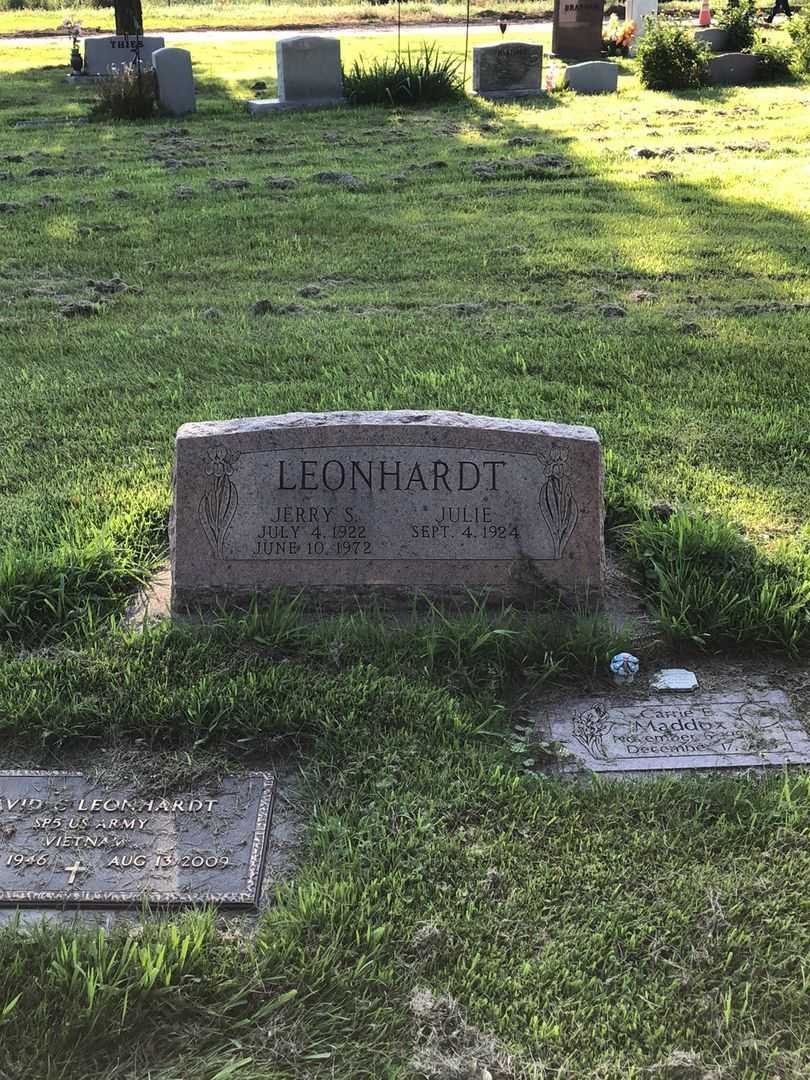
(383, 499)
(713, 730)
(66, 841)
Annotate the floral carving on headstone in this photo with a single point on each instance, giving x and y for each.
(220, 499)
(557, 503)
(589, 729)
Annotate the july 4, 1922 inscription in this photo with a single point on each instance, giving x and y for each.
(400, 499)
(69, 842)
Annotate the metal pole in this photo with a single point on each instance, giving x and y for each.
(466, 47)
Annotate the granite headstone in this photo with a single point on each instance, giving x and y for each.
(175, 81)
(101, 54)
(69, 841)
(577, 28)
(408, 502)
(507, 70)
(309, 74)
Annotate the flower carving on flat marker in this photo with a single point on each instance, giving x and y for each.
(589, 729)
(220, 499)
(557, 503)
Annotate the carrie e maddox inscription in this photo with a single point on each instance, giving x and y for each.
(69, 842)
(739, 728)
(399, 499)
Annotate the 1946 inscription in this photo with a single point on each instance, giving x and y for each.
(65, 840)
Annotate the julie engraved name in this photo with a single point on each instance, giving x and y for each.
(408, 503)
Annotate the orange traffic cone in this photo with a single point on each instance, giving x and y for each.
(705, 17)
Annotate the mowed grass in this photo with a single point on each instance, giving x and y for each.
(515, 261)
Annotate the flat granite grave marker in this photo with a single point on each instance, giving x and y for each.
(736, 729)
(67, 841)
(309, 74)
(577, 28)
(402, 501)
(507, 70)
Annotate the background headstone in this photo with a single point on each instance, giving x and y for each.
(593, 77)
(732, 69)
(577, 28)
(507, 69)
(175, 81)
(405, 502)
(715, 37)
(102, 53)
(639, 11)
(309, 74)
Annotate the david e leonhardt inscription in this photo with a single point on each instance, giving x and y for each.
(401, 499)
(66, 841)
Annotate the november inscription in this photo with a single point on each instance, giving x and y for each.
(384, 499)
(70, 842)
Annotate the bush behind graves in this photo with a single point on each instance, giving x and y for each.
(671, 59)
(799, 30)
(775, 62)
(738, 20)
(127, 94)
(421, 78)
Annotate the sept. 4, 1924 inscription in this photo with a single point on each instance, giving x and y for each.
(69, 842)
(401, 499)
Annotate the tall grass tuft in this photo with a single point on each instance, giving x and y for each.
(127, 94)
(711, 586)
(421, 78)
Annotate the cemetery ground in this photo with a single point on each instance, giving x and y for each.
(637, 263)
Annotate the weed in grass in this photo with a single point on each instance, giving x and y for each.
(413, 78)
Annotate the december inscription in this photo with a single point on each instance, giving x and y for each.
(401, 499)
(737, 729)
(66, 841)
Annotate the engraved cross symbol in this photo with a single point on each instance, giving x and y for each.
(73, 871)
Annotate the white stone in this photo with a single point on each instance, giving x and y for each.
(309, 74)
(103, 53)
(674, 680)
(592, 77)
(175, 81)
(638, 11)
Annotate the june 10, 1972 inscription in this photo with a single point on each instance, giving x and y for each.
(67, 841)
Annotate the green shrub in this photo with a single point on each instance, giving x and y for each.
(774, 62)
(423, 78)
(738, 20)
(799, 30)
(127, 94)
(671, 59)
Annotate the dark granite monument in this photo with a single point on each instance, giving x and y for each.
(68, 842)
(577, 29)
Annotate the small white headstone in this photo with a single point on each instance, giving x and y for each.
(674, 680)
(103, 53)
(309, 74)
(593, 77)
(638, 11)
(175, 81)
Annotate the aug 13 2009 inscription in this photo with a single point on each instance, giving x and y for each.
(66, 841)
(398, 499)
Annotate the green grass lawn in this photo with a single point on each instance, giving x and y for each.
(257, 15)
(512, 261)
